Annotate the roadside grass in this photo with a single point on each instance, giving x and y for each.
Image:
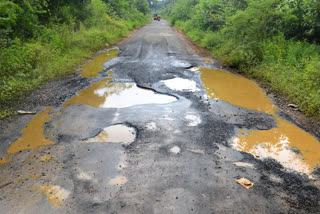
(26, 65)
(289, 68)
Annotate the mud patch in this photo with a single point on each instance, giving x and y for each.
(115, 134)
(32, 134)
(96, 65)
(181, 84)
(45, 158)
(104, 94)
(5, 159)
(56, 194)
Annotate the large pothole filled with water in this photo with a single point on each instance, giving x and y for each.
(104, 94)
(294, 148)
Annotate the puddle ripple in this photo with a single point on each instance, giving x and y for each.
(115, 134)
(93, 67)
(32, 134)
(279, 143)
(104, 94)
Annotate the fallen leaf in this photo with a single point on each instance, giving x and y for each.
(245, 183)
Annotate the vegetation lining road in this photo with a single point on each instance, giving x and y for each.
(41, 40)
(270, 40)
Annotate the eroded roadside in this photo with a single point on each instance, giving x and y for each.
(149, 135)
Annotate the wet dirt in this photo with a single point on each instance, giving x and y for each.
(115, 134)
(104, 94)
(5, 159)
(32, 134)
(45, 158)
(181, 84)
(279, 143)
(56, 195)
(96, 65)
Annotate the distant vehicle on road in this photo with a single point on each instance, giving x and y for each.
(156, 17)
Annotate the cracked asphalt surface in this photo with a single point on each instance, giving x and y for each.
(172, 166)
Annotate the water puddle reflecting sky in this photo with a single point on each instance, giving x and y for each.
(280, 143)
(115, 134)
(104, 94)
(180, 84)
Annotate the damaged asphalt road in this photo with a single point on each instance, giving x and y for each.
(130, 142)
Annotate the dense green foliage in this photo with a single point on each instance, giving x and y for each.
(42, 39)
(276, 41)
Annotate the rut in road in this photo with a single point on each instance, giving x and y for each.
(160, 130)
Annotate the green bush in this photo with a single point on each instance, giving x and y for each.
(264, 39)
(58, 47)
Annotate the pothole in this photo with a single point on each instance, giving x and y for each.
(115, 134)
(180, 84)
(104, 94)
(276, 143)
(96, 65)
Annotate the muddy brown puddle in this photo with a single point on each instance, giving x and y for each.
(280, 143)
(104, 94)
(96, 65)
(32, 134)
